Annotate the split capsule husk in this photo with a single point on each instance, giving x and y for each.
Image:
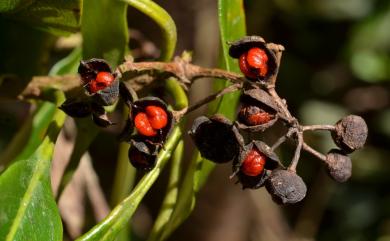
(258, 111)
(285, 187)
(140, 106)
(339, 165)
(76, 108)
(272, 162)
(99, 116)
(243, 45)
(216, 138)
(350, 133)
(88, 70)
(142, 155)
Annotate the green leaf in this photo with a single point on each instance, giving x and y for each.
(120, 215)
(67, 65)
(232, 26)
(104, 29)
(57, 17)
(163, 19)
(27, 208)
(34, 128)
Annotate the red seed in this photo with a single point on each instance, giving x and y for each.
(257, 58)
(253, 115)
(103, 79)
(254, 162)
(157, 116)
(143, 125)
(245, 69)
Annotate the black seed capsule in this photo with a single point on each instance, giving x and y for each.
(142, 155)
(215, 138)
(351, 133)
(339, 165)
(242, 46)
(99, 116)
(258, 111)
(75, 108)
(108, 95)
(271, 162)
(88, 69)
(285, 187)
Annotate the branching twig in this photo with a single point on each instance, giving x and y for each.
(315, 153)
(283, 138)
(297, 154)
(319, 127)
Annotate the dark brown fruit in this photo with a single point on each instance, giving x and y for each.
(351, 133)
(142, 155)
(285, 187)
(339, 165)
(215, 138)
(99, 116)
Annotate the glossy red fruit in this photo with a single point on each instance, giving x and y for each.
(254, 162)
(253, 115)
(143, 125)
(254, 63)
(157, 116)
(245, 69)
(257, 58)
(103, 79)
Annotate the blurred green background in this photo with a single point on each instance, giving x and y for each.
(337, 62)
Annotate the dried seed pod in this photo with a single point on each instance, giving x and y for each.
(285, 187)
(350, 133)
(76, 108)
(339, 165)
(216, 138)
(142, 155)
(257, 61)
(258, 111)
(253, 163)
(152, 119)
(99, 116)
(108, 95)
(88, 69)
(99, 81)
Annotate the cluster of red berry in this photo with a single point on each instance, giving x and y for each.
(254, 162)
(218, 139)
(150, 116)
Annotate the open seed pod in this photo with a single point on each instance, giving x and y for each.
(76, 108)
(142, 155)
(351, 133)
(216, 138)
(152, 119)
(99, 81)
(285, 187)
(99, 116)
(241, 47)
(339, 165)
(258, 111)
(253, 163)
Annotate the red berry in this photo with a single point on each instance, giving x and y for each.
(257, 58)
(253, 115)
(254, 63)
(143, 125)
(157, 116)
(102, 80)
(254, 162)
(245, 69)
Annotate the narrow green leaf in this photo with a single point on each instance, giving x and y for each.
(163, 19)
(108, 228)
(56, 17)
(27, 208)
(232, 26)
(67, 65)
(104, 29)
